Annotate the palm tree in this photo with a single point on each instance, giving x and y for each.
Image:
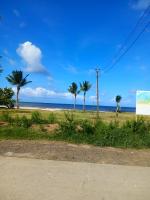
(16, 78)
(73, 89)
(118, 99)
(84, 87)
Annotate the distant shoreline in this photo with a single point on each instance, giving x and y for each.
(38, 108)
(52, 109)
(59, 106)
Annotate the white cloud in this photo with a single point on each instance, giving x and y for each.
(141, 4)
(43, 92)
(32, 56)
(16, 12)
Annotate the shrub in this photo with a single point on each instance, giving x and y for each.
(138, 126)
(133, 134)
(26, 123)
(21, 133)
(52, 118)
(6, 95)
(6, 117)
(22, 121)
(86, 127)
(36, 117)
(17, 121)
(68, 126)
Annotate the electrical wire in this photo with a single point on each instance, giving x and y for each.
(116, 57)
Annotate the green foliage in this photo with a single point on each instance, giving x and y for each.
(6, 117)
(22, 121)
(133, 134)
(68, 126)
(118, 98)
(73, 89)
(36, 117)
(130, 134)
(52, 118)
(15, 121)
(86, 127)
(22, 133)
(16, 78)
(6, 95)
(85, 86)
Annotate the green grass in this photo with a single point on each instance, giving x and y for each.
(77, 127)
(88, 115)
(129, 135)
(15, 133)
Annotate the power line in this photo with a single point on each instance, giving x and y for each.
(115, 60)
(130, 46)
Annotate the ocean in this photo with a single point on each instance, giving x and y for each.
(78, 107)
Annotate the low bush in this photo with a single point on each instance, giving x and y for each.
(36, 117)
(86, 127)
(22, 121)
(130, 134)
(133, 134)
(52, 118)
(68, 125)
(6, 117)
(22, 133)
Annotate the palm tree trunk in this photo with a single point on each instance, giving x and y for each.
(117, 110)
(84, 102)
(74, 102)
(17, 97)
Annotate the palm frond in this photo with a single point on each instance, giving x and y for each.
(16, 78)
(118, 98)
(85, 86)
(73, 88)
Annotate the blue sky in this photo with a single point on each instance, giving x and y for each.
(61, 41)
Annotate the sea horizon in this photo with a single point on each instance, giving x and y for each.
(78, 106)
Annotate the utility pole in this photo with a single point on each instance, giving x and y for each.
(97, 89)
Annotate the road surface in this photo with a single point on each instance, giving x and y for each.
(35, 179)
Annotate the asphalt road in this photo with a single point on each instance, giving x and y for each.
(34, 179)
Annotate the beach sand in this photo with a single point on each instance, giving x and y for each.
(46, 109)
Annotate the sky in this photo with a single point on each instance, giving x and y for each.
(59, 42)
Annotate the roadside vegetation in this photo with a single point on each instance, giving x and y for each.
(76, 127)
(104, 129)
